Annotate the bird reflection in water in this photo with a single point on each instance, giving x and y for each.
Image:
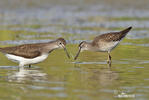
(26, 75)
(105, 76)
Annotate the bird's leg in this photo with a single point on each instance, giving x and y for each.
(109, 58)
(29, 66)
(109, 65)
(21, 66)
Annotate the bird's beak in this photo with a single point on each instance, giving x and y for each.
(77, 53)
(66, 51)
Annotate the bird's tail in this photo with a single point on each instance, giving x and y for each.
(125, 31)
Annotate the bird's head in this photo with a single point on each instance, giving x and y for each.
(61, 43)
(82, 46)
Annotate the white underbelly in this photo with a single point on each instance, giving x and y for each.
(108, 46)
(26, 61)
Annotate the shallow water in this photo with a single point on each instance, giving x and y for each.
(88, 78)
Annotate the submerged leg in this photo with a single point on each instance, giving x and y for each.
(109, 58)
(109, 64)
(29, 66)
(21, 66)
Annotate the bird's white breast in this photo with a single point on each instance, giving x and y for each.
(27, 60)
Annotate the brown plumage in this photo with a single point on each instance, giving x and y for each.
(26, 50)
(112, 36)
(104, 43)
(29, 50)
(33, 53)
(62, 40)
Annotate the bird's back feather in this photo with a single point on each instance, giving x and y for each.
(26, 51)
(111, 37)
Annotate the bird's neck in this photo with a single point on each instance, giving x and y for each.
(91, 47)
(50, 46)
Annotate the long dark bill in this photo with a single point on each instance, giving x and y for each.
(77, 54)
(67, 53)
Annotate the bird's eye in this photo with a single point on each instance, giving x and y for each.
(60, 43)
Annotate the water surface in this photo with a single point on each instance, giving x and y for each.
(88, 78)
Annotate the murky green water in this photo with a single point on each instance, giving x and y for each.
(88, 78)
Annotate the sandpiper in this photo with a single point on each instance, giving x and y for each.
(28, 54)
(103, 43)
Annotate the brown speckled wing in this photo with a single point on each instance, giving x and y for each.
(26, 51)
(113, 36)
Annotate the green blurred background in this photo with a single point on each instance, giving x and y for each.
(88, 78)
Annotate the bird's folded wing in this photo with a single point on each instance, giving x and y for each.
(112, 36)
(25, 51)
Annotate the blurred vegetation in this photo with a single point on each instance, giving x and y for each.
(88, 78)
